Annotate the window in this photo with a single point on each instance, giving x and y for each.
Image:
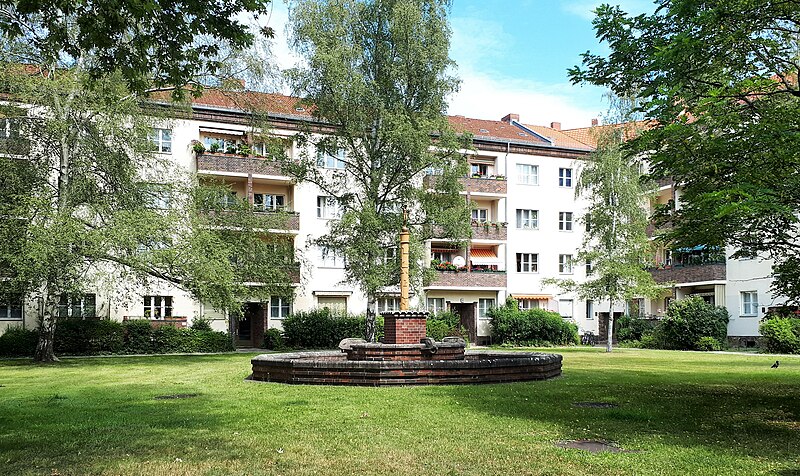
(228, 200)
(528, 304)
(159, 197)
(327, 207)
(527, 263)
(588, 268)
(589, 309)
(268, 202)
(565, 308)
(389, 256)
(388, 304)
(443, 255)
(330, 259)
(565, 221)
(565, 264)
(436, 305)
(528, 174)
(279, 307)
(483, 308)
(480, 214)
(479, 169)
(221, 144)
(162, 140)
(528, 219)
(564, 177)
(78, 307)
(329, 161)
(636, 307)
(336, 304)
(157, 307)
(749, 303)
(11, 309)
(7, 128)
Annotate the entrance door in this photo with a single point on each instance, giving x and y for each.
(467, 314)
(250, 328)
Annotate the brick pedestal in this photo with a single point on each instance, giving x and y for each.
(404, 327)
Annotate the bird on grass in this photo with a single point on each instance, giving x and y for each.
(775, 365)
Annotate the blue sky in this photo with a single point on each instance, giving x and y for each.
(513, 57)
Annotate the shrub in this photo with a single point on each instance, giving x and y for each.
(273, 340)
(321, 328)
(201, 324)
(167, 340)
(193, 340)
(687, 321)
(633, 329)
(780, 335)
(534, 327)
(707, 344)
(138, 337)
(444, 324)
(18, 342)
(88, 337)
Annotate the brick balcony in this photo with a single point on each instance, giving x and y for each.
(292, 219)
(232, 163)
(475, 279)
(475, 185)
(489, 232)
(690, 274)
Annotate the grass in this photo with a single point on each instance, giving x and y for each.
(685, 413)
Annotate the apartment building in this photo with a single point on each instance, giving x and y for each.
(526, 222)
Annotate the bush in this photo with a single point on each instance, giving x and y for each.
(780, 335)
(201, 324)
(88, 337)
(18, 342)
(321, 328)
(138, 337)
(444, 324)
(689, 320)
(535, 327)
(273, 340)
(633, 329)
(707, 344)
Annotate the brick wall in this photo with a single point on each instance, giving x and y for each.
(474, 279)
(481, 232)
(484, 185)
(237, 164)
(690, 274)
(403, 330)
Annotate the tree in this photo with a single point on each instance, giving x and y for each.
(87, 197)
(616, 243)
(378, 73)
(720, 79)
(156, 43)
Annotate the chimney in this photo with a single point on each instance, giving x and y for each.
(510, 117)
(555, 125)
(594, 122)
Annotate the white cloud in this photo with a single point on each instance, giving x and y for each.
(585, 8)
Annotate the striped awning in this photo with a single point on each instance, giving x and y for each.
(485, 256)
(532, 297)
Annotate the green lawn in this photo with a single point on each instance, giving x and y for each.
(684, 413)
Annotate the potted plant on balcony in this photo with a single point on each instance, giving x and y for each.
(500, 177)
(198, 147)
(214, 147)
(476, 175)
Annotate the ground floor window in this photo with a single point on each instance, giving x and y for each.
(528, 304)
(388, 304)
(565, 308)
(749, 303)
(157, 307)
(589, 309)
(11, 309)
(336, 304)
(436, 305)
(279, 308)
(483, 308)
(77, 307)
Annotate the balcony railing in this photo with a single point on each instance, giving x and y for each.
(489, 230)
(233, 163)
(690, 273)
(477, 184)
(476, 277)
(177, 321)
(292, 218)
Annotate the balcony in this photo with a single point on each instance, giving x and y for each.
(292, 222)
(470, 279)
(494, 185)
(209, 163)
(489, 230)
(691, 273)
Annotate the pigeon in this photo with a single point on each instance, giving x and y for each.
(775, 365)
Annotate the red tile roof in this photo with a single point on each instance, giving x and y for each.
(244, 101)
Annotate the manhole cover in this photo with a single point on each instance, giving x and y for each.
(592, 446)
(176, 396)
(595, 405)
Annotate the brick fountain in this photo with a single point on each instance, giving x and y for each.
(405, 357)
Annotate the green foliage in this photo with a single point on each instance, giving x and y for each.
(89, 337)
(18, 342)
(138, 337)
(321, 328)
(632, 329)
(708, 344)
(689, 320)
(535, 327)
(443, 325)
(201, 324)
(273, 340)
(780, 335)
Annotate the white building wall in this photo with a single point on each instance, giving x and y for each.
(748, 276)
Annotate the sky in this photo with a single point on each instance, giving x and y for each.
(513, 57)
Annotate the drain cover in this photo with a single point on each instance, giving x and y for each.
(595, 405)
(592, 446)
(176, 396)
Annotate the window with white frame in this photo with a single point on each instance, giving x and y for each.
(528, 304)
(527, 219)
(330, 259)
(388, 304)
(565, 221)
(480, 214)
(483, 308)
(443, 255)
(749, 303)
(327, 207)
(11, 308)
(77, 307)
(589, 268)
(565, 308)
(589, 309)
(329, 161)
(279, 307)
(528, 174)
(479, 169)
(228, 200)
(269, 201)
(636, 307)
(162, 140)
(215, 144)
(336, 304)
(527, 263)
(565, 264)
(389, 256)
(564, 177)
(436, 305)
(157, 307)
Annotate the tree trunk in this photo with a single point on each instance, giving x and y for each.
(47, 331)
(610, 327)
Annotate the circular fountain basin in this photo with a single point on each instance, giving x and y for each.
(333, 368)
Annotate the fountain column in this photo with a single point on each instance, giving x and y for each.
(404, 326)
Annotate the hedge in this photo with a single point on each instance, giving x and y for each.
(688, 322)
(535, 327)
(780, 335)
(321, 328)
(98, 337)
